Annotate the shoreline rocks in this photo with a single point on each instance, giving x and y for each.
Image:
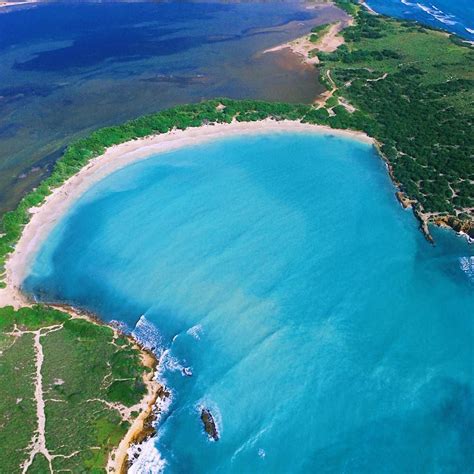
(209, 423)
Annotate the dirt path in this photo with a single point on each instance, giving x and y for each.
(308, 51)
(38, 442)
(325, 96)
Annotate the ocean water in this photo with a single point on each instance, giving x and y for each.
(323, 332)
(67, 68)
(456, 16)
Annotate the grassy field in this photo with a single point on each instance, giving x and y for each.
(413, 88)
(90, 381)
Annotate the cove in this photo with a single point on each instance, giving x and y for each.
(321, 329)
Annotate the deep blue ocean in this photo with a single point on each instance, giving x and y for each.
(323, 332)
(456, 16)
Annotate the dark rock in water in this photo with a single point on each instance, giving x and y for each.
(209, 424)
(187, 372)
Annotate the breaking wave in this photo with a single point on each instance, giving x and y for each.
(438, 14)
(148, 335)
(146, 458)
(467, 266)
(455, 19)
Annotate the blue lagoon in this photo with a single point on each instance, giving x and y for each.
(321, 329)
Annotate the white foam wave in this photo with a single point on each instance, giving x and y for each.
(146, 458)
(469, 30)
(467, 266)
(250, 444)
(148, 335)
(438, 14)
(169, 363)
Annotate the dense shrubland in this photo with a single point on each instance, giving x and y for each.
(85, 370)
(416, 88)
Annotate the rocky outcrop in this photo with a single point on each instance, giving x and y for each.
(461, 226)
(209, 424)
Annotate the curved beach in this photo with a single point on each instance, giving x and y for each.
(237, 257)
(46, 216)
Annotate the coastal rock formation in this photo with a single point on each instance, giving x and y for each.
(210, 426)
(404, 200)
(462, 226)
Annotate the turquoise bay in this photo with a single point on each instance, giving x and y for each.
(322, 330)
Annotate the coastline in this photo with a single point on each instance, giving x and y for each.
(62, 198)
(44, 217)
(47, 215)
(55, 206)
(141, 427)
(308, 51)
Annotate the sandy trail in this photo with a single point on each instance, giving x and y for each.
(325, 96)
(38, 442)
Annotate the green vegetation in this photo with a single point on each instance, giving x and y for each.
(414, 89)
(83, 363)
(348, 6)
(318, 32)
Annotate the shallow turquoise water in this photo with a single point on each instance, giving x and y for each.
(322, 330)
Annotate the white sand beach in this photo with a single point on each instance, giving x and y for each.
(55, 206)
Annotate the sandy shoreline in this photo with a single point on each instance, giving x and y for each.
(55, 206)
(141, 427)
(303, 46)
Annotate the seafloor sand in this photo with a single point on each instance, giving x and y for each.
(55, 206)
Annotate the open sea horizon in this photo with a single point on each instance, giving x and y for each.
(321, 329)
